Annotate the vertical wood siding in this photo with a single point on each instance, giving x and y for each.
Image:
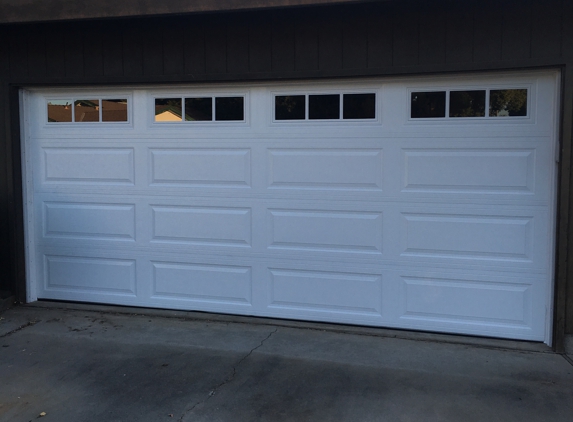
(7, 278)
(373, 38)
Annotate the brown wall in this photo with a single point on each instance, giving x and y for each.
(364, 39)
(375, 38)
(18, 11)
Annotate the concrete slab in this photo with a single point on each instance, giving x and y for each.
(81, 365)
(336, 328)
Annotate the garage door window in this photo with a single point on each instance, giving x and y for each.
(469, 103)
(200, 109)
(428, 104)
(508, 102)
(87, 110)
(325, 107)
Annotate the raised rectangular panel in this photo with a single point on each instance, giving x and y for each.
(94, 221)
(96, 275)
(201, 167)
(473, 301)
(89, 165)
(202, 225)
(212, 283)
(326, 291)
(342, 231)
(476, 171)
(468, 236)
(325, 169)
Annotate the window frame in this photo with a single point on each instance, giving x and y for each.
(73, 98)
(205, 123)
(340, 120)
(486, 118)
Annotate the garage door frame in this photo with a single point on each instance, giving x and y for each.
(30, 291)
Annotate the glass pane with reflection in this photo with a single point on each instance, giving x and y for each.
(198, 109)
(324, 106)
(467, 103)
(507, 102)
(59, 111)
(114, 110)
(229, 108)
(290, 107)
(359, 106)
(428, 104)
(168, 110)
(86, 111)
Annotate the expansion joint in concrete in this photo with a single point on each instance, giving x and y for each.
(20, 328)
(230, 377)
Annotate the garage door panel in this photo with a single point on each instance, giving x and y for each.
(318, 291)
(200, 167)
(223, 226)
(466, 301)
(324, 168)
(110, 276)
(507, 238)
(483, 171)
(488, 303)
(109, 166)
(325, 230)
(97, 221)
(192, 282)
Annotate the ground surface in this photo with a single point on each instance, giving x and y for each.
(82, 365)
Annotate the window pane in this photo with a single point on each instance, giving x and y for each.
(198, 109)
(229, 108)
(467, 103)
(168, 110)
(86, 111)
(60, 111)
(359, 106)
(508, 102)
(324, 106)
(428, 104)
(290, 107)
(114, 110)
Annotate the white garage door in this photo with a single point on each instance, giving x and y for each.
(420, 203)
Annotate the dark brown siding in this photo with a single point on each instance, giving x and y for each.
(564, 287)
(360, 39)
(383, 38)
(18, 11)
(8, 281)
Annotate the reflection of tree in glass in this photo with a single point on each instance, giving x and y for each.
(428, 104)
(289, 103)
(508, 102)
(467, 103)
(289, 107)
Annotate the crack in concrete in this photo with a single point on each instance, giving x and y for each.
(568, 359)
(229, 378)
(20, 328)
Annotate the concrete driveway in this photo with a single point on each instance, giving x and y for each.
(87, 363)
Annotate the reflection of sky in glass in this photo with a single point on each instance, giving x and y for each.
(60, 102)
